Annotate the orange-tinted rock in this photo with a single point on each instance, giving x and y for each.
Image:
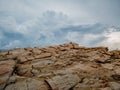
(4, 70)
(115, 54)
(22, 59)
(61, 67)
(43, 55)
(28, 84)
(6, 66)
(24, 70)
(63, 82)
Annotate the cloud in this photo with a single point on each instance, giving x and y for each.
(8, 24)
(95, 35)
(35, 32)
(112, 39)
(80, 11)
(54, 28)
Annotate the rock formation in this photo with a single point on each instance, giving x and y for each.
(63, 67)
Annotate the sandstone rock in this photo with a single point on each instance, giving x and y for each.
(82, 87)
(63, 72)
(6, 69)
(106, 88)
(69, 45)
(84, 67)
(115, 54)
(12, 79)
(28, 84)
(30, 58)
(75, 45)
(17, 51)
(42, 63)
(51, 50)
(62, 67)
(24, 70)
(117, 70)
(115, 85)
(63, 82)
(107, 66)
(36, 51)
(116, 77)
(45, 75)
(64, 48)
(43, 55)
(21, 59)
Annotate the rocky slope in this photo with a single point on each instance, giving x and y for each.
(63, 67)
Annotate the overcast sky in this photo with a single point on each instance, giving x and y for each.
(26, 23)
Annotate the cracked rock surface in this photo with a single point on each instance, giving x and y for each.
(63, 67)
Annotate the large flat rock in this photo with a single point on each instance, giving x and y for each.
(64, 82)
(6, 69)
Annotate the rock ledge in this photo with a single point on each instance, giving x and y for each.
(63, 67)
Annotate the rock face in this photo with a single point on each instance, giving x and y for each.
(63, 67)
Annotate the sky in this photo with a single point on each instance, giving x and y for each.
(30, 23)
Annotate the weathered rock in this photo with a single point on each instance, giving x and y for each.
(28, 84)
(106, 88)
(117, 70)
(43, 55)
(82, 87)
(42, 63)
(64, 82)
(24, 70)
(115, 54)
(107, 66)
(36, 51)
(115, 85)
(62, 67)
(22, 59)
(116, 77)
(6, 69)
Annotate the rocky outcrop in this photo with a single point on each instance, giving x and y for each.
(63, 67)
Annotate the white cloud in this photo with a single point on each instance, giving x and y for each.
(112, 40)
(88, 38)
(8, 24)
(13, 44)
(34, 32)
(51, 28)
(80, 11)
(73, 36)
